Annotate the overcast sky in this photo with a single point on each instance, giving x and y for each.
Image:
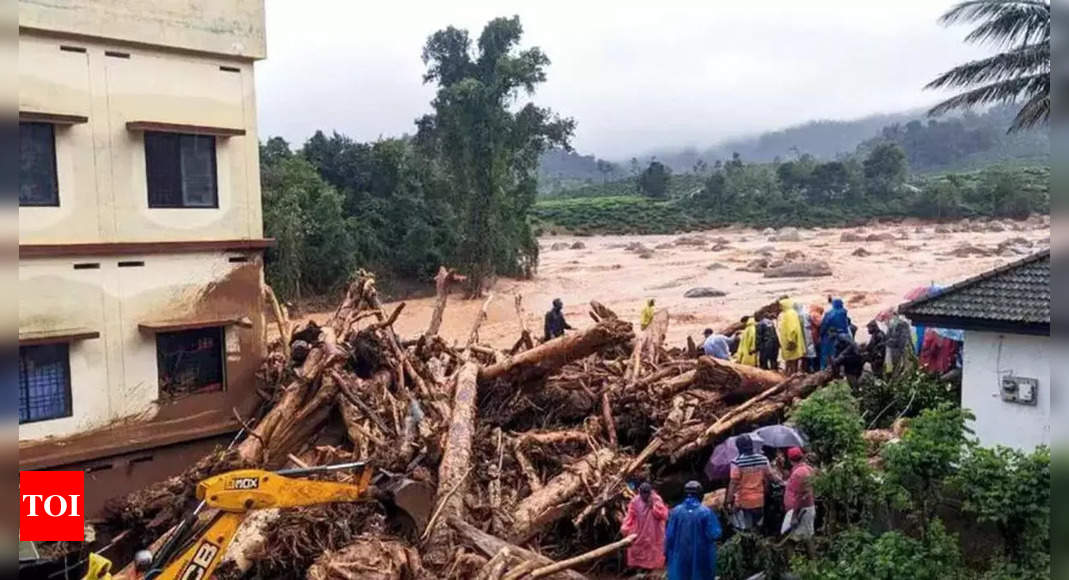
(635, 76)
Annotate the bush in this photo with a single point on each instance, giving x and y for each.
(884, 399)
(746, 554)
(849, 490)
(917, 467)
(1010, 489)
(890, 556)
(831, 421)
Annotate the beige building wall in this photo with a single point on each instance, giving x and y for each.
(115, 376)
(101, 163)
(108, 63)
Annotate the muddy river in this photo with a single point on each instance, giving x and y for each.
(618, 272)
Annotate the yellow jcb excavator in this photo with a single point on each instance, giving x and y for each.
(187, 555)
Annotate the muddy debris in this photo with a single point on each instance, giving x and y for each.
(528, 446)
(813, 268)
(703, 292)
(716, 266)
(861, 253)
(967, 250)
(758, 266)
(694, 240)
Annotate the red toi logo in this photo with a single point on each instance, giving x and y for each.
(51, 506)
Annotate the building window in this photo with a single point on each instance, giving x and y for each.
(37, 165)
(44, 382)
(190, 361)
(180, 170)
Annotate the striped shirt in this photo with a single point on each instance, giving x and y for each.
(749, 473)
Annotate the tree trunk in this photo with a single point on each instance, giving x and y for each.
(456, 461)
(549, 356)
(560, 495)
(441, 286)
(757, 410)
(491, 545)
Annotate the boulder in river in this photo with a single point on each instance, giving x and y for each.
(757, 266)
(768, 232)
(851, 237)
(695, 240)
(799, 270)
(703, 292)
(719, 247)
(786, 235)
(881, 237)
(716, 266)
(558, 246)
(861, 253)
(578, 246)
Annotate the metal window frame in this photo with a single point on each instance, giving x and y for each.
(223, 379)
(55, 163)
(67, 388)
(215, 170)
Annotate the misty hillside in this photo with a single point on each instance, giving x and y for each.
(961, 142)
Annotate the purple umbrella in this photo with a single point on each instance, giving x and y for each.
(719, 464)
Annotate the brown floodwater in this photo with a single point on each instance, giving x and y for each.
(606, 271)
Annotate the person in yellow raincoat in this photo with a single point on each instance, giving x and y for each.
(99, 568)
(747, 352)
(791, 341)
(646, 317)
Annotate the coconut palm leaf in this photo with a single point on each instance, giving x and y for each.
(1020, 73)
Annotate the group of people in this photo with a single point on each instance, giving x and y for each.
(808, 339)
(683, 540)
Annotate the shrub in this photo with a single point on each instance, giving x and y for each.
(890, 556)
(830, 420)
(746, 554)
(1010, 489)
(848, 489)
(884, 399)
(917, 467)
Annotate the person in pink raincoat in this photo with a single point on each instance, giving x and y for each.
(646, 518)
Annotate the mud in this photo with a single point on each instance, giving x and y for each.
(609, 270)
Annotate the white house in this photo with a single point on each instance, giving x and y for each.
(1005, 314)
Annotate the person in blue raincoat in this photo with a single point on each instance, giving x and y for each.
(835, 321)
(690, 541)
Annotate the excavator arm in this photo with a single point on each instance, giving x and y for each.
(234, 494)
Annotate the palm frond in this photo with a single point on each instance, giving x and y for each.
(1026, 60)
(1003, 22)
(1006, 91)
(1034, 112)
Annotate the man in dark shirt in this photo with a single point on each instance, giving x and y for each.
(555, 323)
(848, 357)
(767, 345)
(876, 349)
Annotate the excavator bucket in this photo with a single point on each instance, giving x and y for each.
(413, 498)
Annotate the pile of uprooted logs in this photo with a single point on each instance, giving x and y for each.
(530, 451)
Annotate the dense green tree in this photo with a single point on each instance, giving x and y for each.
(1020, 73)
(653, 182)
(488, 151)
(305, 215)
(885, 169)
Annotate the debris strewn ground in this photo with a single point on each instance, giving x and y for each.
(530, 449)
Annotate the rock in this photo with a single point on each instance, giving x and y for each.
(995, 227)
(703, 292)
(578, 246)
(720, 240)
(759, 265)
(851, 237)
(695, 240)
(977, 228)
(861, 253)
(966, 250)
(794, 256)
(645, 255)
(881, 237)
(716, 266)
(943, 229)
(787, 235)
(558, 246)
(768, 232)
(663, 246)
(799, 270)
(637, 247)
(719, 247)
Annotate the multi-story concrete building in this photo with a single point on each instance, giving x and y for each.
(140, 234)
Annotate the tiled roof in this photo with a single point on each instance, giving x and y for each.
(1013, 297)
